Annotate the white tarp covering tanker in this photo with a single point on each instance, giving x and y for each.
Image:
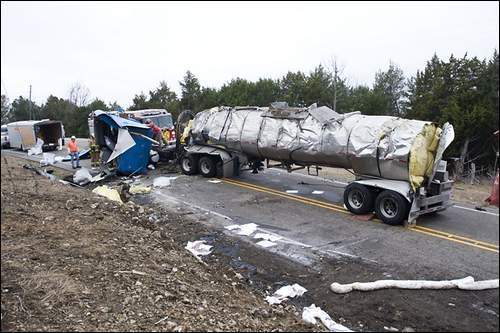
(397, 162)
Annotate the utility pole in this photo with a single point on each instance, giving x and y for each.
(30, 104)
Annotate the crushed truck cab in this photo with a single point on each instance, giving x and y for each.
(397, 162)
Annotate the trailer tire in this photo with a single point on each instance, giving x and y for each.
(189, 164)
(207, 166)
(358, 198)
(391, 207)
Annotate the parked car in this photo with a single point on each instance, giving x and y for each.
(5, 137)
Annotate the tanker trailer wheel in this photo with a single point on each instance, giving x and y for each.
(391, 207)
(358, 198)
(189, 164)
(207, 166)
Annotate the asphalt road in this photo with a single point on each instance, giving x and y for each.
(454, 243)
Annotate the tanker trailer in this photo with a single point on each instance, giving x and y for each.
(397, 162)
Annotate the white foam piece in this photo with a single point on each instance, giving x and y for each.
(309, 315)
(266, 243)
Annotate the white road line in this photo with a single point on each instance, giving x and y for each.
(475, 210)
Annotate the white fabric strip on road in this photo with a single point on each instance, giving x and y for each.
(292, 191)
(312, 312)
(475, 210)
(286, 292)
(467, 283)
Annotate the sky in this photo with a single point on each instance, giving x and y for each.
(120, 49)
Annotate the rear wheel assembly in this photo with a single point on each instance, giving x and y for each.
(207, 166)
(189, 164)
(358, 198)
(391, 207)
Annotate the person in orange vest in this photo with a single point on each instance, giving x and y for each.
(73, 152)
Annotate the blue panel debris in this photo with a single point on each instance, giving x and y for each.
(134, 160)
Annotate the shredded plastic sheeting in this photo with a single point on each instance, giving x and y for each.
(48, 159)
(467, 283)
(82, 176)
(162, 181)
(137, 189)
(309, 315)
(266, 243)
(244, 229)
(109, 193)
(261, 235)
(286, 292)
(199, 248)
(37, 149)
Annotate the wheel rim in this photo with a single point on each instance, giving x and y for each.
(205, 168)
(355, 199)
(186, 164)
(388, 207)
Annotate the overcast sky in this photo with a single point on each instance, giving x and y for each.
(118, 49)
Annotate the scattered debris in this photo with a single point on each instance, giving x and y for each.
(318, 192)
(37, 149)
(132, 272)
(162, 181)
(82, 177)
(261, 235)
(312, 312)
(391, 329)
(292, 191)
(266, 243)
(48, 159)
(245, 229)
(139, 189)
(214, 181)
(198, 248)
(467, 283)
(109, 193)
(286, 292)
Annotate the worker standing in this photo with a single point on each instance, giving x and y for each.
(156, 131)
(94, 153)
(73, 152)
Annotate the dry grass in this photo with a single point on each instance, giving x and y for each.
(53, 286)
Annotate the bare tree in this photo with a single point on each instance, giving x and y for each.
(79, 94)
(335, 72)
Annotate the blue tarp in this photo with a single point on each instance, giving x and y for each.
(134, 160)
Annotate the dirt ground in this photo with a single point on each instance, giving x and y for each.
(74, 261)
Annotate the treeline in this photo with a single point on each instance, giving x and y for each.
(463, 91)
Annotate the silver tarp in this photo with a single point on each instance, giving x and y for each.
(370, 145)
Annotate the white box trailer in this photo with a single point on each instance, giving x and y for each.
(24, 134)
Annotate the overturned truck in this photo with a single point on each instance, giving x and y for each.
(397, 162)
